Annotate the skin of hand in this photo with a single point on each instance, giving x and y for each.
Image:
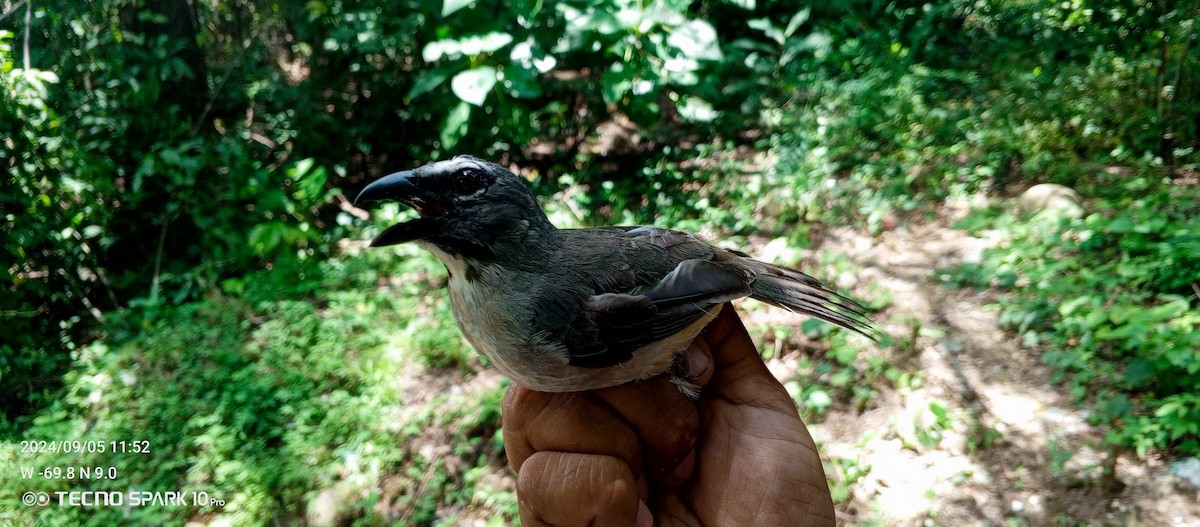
(645, 454)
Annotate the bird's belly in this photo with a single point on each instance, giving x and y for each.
(540, 364)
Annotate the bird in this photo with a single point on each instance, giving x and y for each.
(578, 309)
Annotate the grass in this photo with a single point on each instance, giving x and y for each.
(265, 401)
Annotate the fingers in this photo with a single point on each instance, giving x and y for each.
(569, 489)
(665, 419)
(566, 422)
(650, 425)
(579, 456)
(740, 375)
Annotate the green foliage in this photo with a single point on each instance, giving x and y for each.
(1111, 300)
(131, 192)
(262, 406)
(846, 472)
(913, 122)
(496, 57)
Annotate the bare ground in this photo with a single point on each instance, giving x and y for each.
(1042, 463)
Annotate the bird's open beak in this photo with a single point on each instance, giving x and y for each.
(401, 187)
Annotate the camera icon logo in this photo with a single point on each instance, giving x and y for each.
(40, 499)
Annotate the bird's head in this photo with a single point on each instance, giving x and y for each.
(468, 207)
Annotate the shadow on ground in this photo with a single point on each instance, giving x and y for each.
(1018, 452)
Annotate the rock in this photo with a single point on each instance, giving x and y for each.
(329, 507)
(1053, 199)
(1186, 473)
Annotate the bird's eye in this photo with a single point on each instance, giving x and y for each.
(467, 181)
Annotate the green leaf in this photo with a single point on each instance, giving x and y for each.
(428, 80)
(1094, 318)
(520, 82)
(486, 43)
(1121, 224)
(531, 57)
(772, 32)
(471, 46)
(744, 4)
(309, 180)
(696, 39)
(472, 86)
(697, 110)
(1070, 306)
(615, 83)
(450, 6)
(1122, 312)
(818, 400)
(797, 19)
(266, 237)
(455, 126)
(1138, 371)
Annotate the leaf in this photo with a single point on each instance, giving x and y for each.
(266, 237)
(772, 32)
(1121, 313)
(472, 86)
(696, 39)
(433, 51)
(1094, 318)
(1138, 371)
(310, 180)
(470, 46)
(1120, 225)
(818, 400)
(450, 6)
(799, 18)
(428, 80)
(521, 82)
(1068, 307)
(696, 109)
(615, 83)
(486, 43)
(455, 126)
(531, 57)
(744, 4)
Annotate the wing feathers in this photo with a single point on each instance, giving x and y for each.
(613, 326)
(698, 281)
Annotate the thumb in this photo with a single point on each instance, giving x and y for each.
(740, 375)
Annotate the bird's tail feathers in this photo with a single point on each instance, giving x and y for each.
(800, 293)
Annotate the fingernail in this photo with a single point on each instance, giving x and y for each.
(684, 469)
(644, 517)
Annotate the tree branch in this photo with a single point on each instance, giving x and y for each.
(28, 20)
(12, 10)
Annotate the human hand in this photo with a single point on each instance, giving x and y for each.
(644, 453)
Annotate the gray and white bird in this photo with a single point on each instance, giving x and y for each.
(561, 310)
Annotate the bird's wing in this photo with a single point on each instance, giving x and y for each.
(679, 245)
(679, 277)
(773, 284)
(677, 285)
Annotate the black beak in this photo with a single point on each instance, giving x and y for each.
(400, 187)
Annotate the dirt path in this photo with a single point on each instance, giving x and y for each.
(1016, 450)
